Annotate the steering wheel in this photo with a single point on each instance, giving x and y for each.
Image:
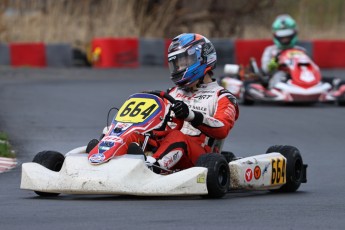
(178, 122)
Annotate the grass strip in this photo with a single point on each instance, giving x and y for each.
(5, 147)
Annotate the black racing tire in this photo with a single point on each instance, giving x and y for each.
(341, 102)
(247, 101)
(294, 167)
(245, 98)
(229, 156)
(91, 145)
(218, 175)
(328, 79)
(51, 160)
(341, 99)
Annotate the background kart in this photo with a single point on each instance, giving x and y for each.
(281, 169)
(303, 83)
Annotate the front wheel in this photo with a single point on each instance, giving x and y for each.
(91, 145)
(295, 169)
(51, 160)
(218, 175)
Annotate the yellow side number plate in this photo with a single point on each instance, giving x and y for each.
(278, 171)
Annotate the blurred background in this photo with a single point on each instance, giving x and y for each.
(77, 22)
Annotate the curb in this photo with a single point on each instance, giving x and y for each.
(7, 164)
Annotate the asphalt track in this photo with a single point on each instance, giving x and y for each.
(61, 109)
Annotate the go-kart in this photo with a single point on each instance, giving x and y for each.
(303, 84)
(95, 169)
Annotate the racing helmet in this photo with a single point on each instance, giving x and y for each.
(190, 57)
(284, 30)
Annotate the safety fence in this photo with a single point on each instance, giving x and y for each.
(135, 52)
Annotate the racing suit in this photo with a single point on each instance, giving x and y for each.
(215, 112)
(268, 55)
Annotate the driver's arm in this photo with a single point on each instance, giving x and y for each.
(218, 126)
(265, 59)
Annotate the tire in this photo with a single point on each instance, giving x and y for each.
(341, 102)
(341, 99)
(51, 160)
(229, 156)
(245, 100)
(294, 167)
(91, 145)
(218, 175)
(328, 79)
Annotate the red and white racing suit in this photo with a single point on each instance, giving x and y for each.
(215, 112)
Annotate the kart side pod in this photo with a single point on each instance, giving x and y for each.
(272, 171)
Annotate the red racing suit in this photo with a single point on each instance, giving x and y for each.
(215, 110)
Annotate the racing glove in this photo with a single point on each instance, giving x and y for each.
(273, 65)
(182, 111)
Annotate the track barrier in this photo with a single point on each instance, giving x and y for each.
(28, 54)
(132, 52)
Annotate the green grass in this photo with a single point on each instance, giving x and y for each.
(5, 147)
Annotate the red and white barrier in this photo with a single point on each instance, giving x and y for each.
(115, 52)
(7, 164)
(246, 49)
(125, 52)
(28, 54)
(329, 53)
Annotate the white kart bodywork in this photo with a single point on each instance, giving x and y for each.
(126, 175)
(283, 91)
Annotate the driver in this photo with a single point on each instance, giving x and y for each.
(284, 31)
(208, 110)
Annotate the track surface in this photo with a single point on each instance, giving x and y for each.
(63, 109)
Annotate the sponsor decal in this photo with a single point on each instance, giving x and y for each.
(249, 175)
(180, 95)
(199, 108)
(265, 169)
(123, 126)
(278, 171)
(114, 139)
(201, 178)
(170, 159)
(97, 158)
(104, 148)
(257, 172)
(203, 97)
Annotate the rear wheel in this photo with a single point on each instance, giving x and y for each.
(295, 170)
(51, 160)
(218, 175)
(229, 156)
